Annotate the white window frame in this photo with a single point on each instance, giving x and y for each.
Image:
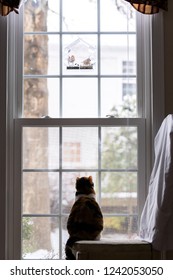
(3, 138)
(150, 84)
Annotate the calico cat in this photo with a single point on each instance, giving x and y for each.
(85, 221)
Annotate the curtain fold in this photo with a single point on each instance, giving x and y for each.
(7, 6)
(149, 6)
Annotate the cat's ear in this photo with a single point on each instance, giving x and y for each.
(77, 179)
(90, 178)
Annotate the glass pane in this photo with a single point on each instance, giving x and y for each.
(120, 227)
(80, 54)
(119, 192)
(115, 49)
(79, 15)
(69, 190)
(64, 234)
(40, 147)
(40, 238)
(80, 147)
(41, 15)
(41, 97)
(80, 98)
(119, 148)
(121, 98)
(122, 17)
(41, 54)
(40, 193)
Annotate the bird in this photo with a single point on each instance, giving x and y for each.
(71, 59)
(87, 62)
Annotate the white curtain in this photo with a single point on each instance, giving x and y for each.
(156, 224)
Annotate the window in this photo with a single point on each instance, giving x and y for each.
(128, 89)
(72, 152)
(81, 110)
(107, 150)
(129, 85)
(129, 67)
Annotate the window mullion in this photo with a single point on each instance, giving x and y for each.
(99, 165)
(61, 60)
(60, 190)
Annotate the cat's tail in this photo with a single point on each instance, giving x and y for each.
(68, 247)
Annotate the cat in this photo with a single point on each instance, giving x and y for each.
(85, 221)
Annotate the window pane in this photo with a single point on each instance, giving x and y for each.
(41, 97)
(119, 192)
(69, 190)
(121, 98)
(114, 50)
(41, 15)
(40, 147)
(119, 147)
(120, 227)
(80, 97)
(41, 54)
(40, 193)
(64, 235)
(121, 16)
(79, 15)
(80, 147)
(79, 54)
(78, 63)
(40, 238)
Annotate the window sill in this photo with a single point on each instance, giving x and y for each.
(115, 250)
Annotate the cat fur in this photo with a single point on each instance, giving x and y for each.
(85, 221)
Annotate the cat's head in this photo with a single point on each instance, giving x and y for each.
(85, 185)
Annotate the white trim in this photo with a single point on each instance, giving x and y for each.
(151, 80)
(3, 144)
(158, 101)
(17, 194)
(10, 138)
(87, 122)
(14, 77)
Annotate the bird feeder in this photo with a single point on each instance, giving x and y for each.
(80, 55)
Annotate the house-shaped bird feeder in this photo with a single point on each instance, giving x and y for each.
(80, 55)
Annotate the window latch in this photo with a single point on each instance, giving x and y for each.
(110, 116)
(46, 117)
